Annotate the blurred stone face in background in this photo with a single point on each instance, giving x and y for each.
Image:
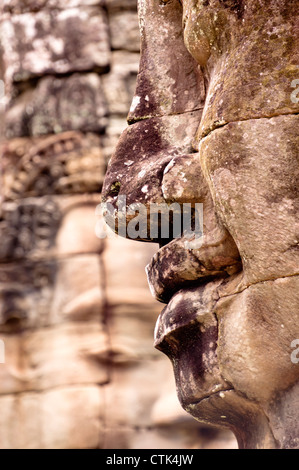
(76, 316)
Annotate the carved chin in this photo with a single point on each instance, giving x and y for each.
(226, 340)
(187, 332)
(230, 410)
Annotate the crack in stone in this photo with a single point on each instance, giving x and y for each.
(207, 397)
(258, 282)
(144, 118)
(243, 120)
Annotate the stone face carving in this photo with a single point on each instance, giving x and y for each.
(213, 97)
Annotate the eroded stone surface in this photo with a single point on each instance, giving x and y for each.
(56, 105)
(124, 31)
(169, 81)
(69, 162)
(35, 45)
(256, 192)
(251, 359)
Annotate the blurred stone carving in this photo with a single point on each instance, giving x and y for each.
(65, 163)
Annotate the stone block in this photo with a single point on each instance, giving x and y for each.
(24, 6)
(54, 42)
(51, 420)
(56, 104)
(113, 5)
(124, 29)
(72, 418)
(20, 421)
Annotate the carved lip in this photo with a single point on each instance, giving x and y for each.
(174, 267)
(167, 276)
(187, 332)
(186, 307)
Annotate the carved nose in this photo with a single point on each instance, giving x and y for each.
(165, 113)
(136, 170)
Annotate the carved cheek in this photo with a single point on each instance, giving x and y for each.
(253, 172)
(256, 328)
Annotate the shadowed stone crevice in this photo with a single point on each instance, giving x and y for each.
(203, 137)
(144, 118)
